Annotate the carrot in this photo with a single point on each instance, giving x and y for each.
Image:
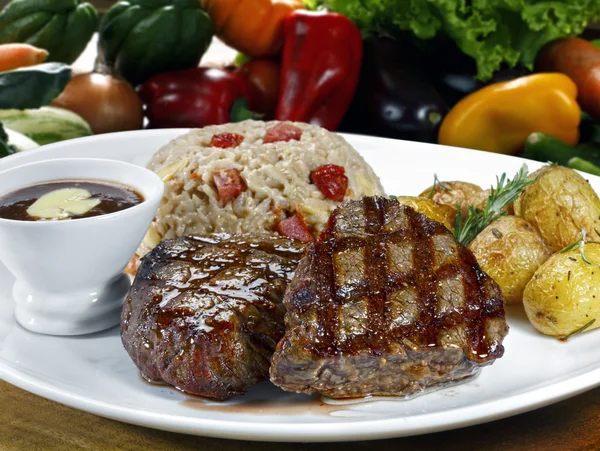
(13, 56)
(580, 61)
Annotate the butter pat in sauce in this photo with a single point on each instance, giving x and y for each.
(63, 203)
(67, 199)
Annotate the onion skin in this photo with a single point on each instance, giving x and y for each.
(108, 103)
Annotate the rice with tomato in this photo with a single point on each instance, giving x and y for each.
(230, 178)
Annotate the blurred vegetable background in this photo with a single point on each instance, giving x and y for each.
(518, 77)
(492, 32)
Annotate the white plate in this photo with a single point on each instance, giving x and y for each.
(94, 373)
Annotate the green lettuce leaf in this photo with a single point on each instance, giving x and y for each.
(493, 32)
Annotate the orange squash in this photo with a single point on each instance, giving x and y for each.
(253, 27)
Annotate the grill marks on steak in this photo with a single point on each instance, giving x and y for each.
(204, 314)
(386, 303)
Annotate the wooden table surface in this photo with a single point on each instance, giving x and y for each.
(29, 422)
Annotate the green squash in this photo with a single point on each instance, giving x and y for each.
(62, 27)
(141, 38)
(46, 125)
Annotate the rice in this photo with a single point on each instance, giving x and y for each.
(277, 176)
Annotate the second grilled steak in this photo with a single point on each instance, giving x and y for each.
(386, 303)
(205, 313)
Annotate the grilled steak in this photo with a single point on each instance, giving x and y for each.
(204, 314)
(386, 302)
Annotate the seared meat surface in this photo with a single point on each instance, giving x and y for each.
(205, 313)
(386, 302)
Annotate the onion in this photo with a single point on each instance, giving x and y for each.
(107, 103)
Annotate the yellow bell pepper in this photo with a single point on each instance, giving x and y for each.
(500, 117)
(254, 27)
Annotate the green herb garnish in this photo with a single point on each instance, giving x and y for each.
(577, 331)
(436, 183)
(505, 192)
(580, 243)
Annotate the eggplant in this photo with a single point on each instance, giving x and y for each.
(393, 98)
(453, 72)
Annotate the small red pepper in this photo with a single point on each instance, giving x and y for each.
(322, 55)
(331, 180)
(226, 140)
(282, 132)
(194, 97)
(296, 228)
(229, 184)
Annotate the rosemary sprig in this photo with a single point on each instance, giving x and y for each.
(577, 331)
(505, 192)
(436, 183)
(580, 243)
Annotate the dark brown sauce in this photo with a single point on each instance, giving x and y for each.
(113, 197)
(290, 404)
(312, 405)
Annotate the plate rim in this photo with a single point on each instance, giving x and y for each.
(349, 431)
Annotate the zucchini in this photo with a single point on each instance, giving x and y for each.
(47, 124)
(20, 141)
(583, 165)
(547, 148)
(544, 148)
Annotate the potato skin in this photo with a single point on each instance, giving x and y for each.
(461, 193)
(559, 204)
(440, 213)
(510, 251)
(564, 293)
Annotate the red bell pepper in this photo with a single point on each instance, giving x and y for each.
(322, 55)
(195, 98)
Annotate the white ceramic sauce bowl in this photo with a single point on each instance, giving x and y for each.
(69, 273)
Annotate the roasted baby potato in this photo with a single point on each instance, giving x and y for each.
(510, 250)
(559, 204)
(440, 213)
(453, 193)
(564, 293)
